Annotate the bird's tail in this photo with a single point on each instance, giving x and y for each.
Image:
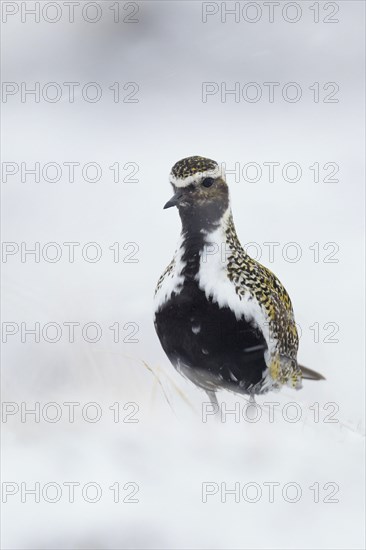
(309, 374)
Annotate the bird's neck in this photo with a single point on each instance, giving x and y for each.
(205, 238)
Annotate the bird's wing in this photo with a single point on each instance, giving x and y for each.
(282, 339)
(277, 304)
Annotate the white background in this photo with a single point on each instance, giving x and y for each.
(170, 452)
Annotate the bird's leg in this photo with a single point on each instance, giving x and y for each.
(213, 399)
(249, 409)
(212, 408)
(252, 399)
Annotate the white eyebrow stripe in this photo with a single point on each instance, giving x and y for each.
(184, 182)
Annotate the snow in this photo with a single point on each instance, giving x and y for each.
(171, 452)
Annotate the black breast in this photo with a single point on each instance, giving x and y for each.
(208, 343)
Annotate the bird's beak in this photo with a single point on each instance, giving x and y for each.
(174, 200)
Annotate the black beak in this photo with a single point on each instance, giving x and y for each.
(174, 200)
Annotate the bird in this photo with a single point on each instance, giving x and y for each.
(224, 320)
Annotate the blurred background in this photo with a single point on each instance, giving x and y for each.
(150, 63)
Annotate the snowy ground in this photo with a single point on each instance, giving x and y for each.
(169, 454)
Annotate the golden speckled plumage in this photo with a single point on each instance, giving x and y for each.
(248, 275)
(192, 165)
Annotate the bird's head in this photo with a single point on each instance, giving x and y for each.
(200, 190)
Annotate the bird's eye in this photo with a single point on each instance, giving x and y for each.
(207, 182)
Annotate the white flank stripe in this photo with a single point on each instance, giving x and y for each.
(213, 280)
(173, 281)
